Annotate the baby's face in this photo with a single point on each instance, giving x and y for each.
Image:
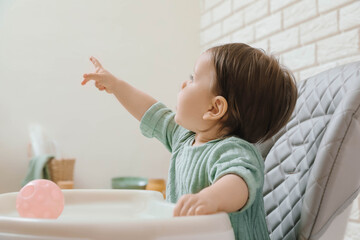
(195, 96)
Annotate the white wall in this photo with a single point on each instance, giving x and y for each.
(309, 36)
(44, 50)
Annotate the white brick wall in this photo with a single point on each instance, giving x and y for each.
(242, 3)
(222, 10)
(309, 36)
(285, 40)
(233, 22)
(299, 12)
(268, 25)
(325, 5)
(318, 27)
(246, 34)
(350, 16)
(255, 11)
(211, 33)
(207, 4)
(277, 4)
(342, 45)
(299, 57)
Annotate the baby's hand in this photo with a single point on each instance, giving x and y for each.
(104, 80)
(195, 204)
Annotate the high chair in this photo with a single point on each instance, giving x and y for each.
(312, 166)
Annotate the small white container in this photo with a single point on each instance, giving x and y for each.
(112, 214)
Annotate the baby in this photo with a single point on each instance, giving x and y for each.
(237, 96)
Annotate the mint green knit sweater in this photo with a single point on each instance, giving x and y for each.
(193, 168)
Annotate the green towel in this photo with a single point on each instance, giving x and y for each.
(38, 169)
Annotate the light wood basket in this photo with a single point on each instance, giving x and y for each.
(62, 172)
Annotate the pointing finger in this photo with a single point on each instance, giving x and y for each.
(95, 62)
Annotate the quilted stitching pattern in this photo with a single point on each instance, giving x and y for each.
(289, 163)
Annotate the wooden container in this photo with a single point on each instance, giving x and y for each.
(65, 184)
(62, 172)
(157, 185)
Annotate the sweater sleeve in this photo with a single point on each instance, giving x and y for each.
(158, 121)
(239, 159)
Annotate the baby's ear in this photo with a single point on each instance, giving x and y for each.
(217, 110)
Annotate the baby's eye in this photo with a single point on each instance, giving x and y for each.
(191, 77)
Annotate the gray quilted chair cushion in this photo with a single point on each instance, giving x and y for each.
(312, 166)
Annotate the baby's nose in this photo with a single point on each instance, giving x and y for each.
(183, 84)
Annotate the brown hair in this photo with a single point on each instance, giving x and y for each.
(261, 94)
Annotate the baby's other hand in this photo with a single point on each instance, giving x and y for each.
(104, 80)
(195, 204)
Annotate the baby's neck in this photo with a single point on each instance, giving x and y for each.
(199, 140)
(204, 137)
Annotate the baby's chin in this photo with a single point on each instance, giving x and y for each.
(176, 119)
(178, 122)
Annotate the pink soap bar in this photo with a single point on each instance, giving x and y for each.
(40, 199)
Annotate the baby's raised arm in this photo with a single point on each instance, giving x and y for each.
(135, 101)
